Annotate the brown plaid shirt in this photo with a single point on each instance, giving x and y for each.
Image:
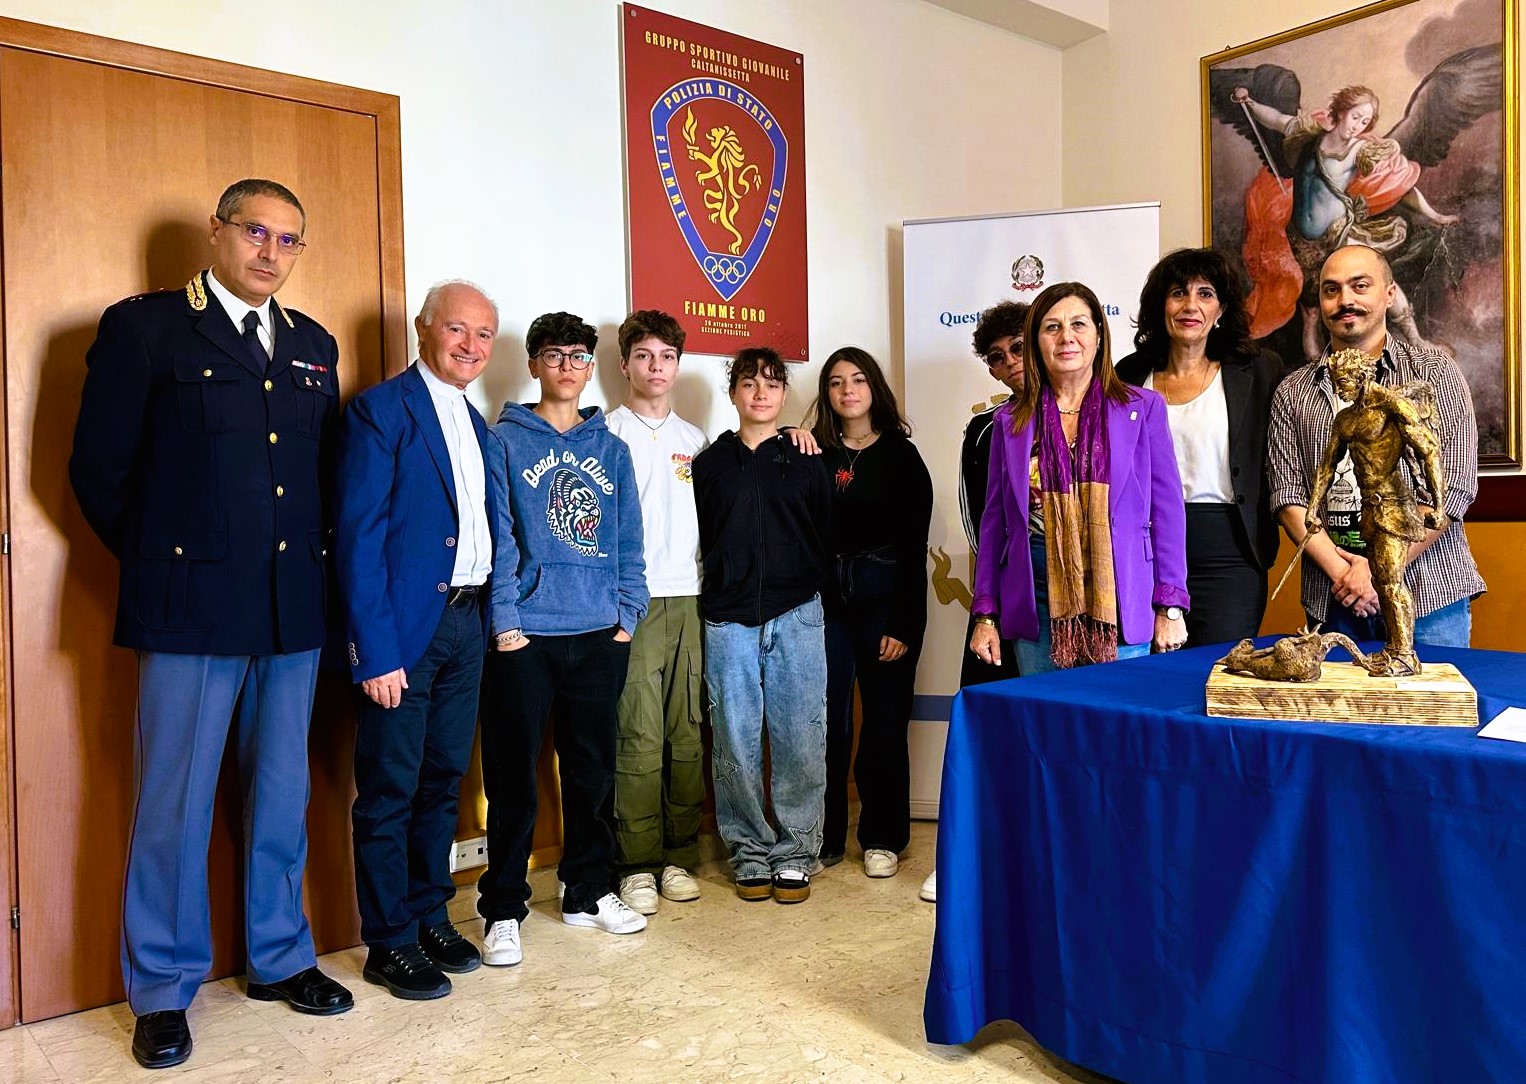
(1299, 431)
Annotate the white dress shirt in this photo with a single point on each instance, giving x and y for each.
(237, 309)
(474, 545)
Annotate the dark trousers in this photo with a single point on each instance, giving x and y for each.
(408, 766)
(583, 675)
(1228, 588)
(882, 769)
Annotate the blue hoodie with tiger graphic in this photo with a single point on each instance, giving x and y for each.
(577, 522)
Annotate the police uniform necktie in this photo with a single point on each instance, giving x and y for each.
(252, 342)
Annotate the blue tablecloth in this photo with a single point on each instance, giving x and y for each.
(1169, 898)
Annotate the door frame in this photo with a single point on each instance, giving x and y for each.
(384, 111)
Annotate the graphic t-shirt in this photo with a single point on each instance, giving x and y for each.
(662, 454)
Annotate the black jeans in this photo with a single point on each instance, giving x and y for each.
(882, 769)
(583, 675)
(408, 766)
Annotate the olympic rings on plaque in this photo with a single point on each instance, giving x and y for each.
(724, 269)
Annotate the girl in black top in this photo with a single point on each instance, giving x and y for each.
(882, 502)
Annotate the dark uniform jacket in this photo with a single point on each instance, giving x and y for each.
(206, 477)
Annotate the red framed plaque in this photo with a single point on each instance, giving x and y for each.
(715, 171)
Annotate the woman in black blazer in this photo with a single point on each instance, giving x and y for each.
(1193, 346)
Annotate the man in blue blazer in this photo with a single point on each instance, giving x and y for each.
(421, 495)
(202, 459)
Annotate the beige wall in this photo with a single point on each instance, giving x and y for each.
(512, 146)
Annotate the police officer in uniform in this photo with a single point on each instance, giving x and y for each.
(201, 457)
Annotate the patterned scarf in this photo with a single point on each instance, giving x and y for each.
(1083, 601)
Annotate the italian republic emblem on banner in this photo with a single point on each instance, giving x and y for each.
(715, 171)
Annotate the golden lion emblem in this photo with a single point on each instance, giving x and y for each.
(727, 176)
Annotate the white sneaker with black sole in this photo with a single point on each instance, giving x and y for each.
(679, 885)
(639, 893)
(500, 944)
(610, 915)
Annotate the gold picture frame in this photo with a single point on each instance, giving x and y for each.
(1289, 172)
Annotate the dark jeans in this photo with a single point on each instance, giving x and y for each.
(866, 590)
(408, 766)
(583, 675)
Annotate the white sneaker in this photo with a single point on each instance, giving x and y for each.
(679, 885)
(611, 917)
(880, 863)
(500, 945)
(639, 893)
(930, 888)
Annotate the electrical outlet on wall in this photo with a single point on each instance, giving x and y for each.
(468, 853)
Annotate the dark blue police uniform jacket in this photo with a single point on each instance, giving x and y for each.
(397, 521)
(208, 477)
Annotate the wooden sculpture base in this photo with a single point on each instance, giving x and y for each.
(1345, 693)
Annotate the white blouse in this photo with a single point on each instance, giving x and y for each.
(1200, 435)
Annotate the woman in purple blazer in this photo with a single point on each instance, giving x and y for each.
(1082, 545)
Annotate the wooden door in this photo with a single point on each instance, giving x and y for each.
(114, 156)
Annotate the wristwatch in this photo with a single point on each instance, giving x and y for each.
(1171, 613)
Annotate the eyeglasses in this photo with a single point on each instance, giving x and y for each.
(288, 243)
(562, 359)
(998, 356)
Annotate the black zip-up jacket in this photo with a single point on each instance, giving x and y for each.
(764, 521)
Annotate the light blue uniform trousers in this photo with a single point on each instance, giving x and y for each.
(186, 704)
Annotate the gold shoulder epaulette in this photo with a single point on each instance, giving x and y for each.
(196, 293)
(284, 314)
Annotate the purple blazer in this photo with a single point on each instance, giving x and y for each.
(1149, 522)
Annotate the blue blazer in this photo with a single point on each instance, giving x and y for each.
(397, 521)
(208, 475)
(1148, 520)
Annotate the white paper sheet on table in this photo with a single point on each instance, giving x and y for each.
(1508, 725)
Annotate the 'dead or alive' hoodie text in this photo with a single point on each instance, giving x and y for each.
(577, 522)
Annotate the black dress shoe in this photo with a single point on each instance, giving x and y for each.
(161, 1039)
(407, 972)
(309, 991)
(449, 950)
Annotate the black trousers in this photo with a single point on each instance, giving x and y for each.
(882, 768)
(1228, 588)
(583, 676)
(408, 766)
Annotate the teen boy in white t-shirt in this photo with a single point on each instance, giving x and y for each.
(659, 763)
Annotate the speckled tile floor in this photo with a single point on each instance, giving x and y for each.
(713, 990)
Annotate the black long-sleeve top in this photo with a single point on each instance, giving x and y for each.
(883, 497)
(764, 519)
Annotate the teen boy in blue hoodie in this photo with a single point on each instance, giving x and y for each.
(569, 610)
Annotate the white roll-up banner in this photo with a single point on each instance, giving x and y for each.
(954, 269)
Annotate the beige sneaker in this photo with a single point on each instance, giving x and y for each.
(500, 944)
(639, 893)
(880, 863)
(678, 885)
(930, 888)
